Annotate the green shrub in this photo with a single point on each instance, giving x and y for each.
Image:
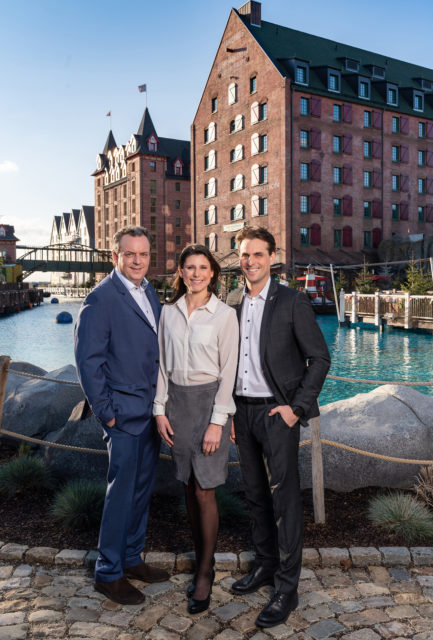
(23, 475)
(79, 504)
(402, 514)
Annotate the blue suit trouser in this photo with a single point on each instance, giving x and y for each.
(130, 478)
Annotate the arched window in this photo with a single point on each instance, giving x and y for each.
(238, 182)
(213, 242)
(237, 212)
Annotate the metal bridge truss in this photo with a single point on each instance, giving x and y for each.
(67, 258)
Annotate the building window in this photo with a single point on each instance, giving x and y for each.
(421, 129)
(333, 81)
(305, 171)
(337, 206)
(253, 84)
(421, 216)
(367, 178)
(178, 222)
(177, 204)
(395, 153)
(367, 209)
(301, 74)
(367, 119)
(395, 124)
(367, 239)
(418, 101)
(210, 133)
(153, 223)
(153, 186)
(233, 243)
(421, 158)
(305, 106)
(392, 95)
(305, 236)
(336, 113)
(263, 111)
(237, 183)
(337, 237)
(337, 175)
(210, 188)
(394, 212)
(237, 124)
(152, 166)
(177, 186)
(259, 144)
(152, 143)
(364, 88)
(263, 175)
(336, 144)
(214, 105)
(305, 204)
(305, 138)
(421, 185)
(263, 206)
(232, 93)
(178, 240)
(367, 149)
(210, 216)
(237, 153)
(395, 181)
(237, 212)
(153, 205)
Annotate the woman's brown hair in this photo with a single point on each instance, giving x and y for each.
(179, 287)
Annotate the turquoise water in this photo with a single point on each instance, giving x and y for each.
(356, 352)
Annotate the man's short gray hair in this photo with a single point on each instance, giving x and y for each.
(130, 230)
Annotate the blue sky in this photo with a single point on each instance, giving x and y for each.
(64, 64)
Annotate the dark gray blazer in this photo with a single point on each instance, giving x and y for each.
(293, 351)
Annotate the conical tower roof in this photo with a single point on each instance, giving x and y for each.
(146, 126)
(110, 144)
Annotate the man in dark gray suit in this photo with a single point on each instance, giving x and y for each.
(283, 362)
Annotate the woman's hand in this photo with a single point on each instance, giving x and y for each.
(164, 429)
(212, 439)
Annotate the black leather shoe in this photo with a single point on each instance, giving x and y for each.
(197, 606)
(278, 609)
(191, 587)
(258, 577)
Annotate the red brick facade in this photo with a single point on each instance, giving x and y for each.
(8, 241)
(341, 219)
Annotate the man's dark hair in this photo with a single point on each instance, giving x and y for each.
(130, 230)
(250, 233)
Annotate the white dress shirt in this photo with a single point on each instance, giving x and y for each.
(198, 349)
(251, 381)
(140, 297)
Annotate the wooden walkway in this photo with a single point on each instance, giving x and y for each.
(393, 309)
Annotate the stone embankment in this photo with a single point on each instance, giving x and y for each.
(345, 594)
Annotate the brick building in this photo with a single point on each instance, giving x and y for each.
(327, 145)
(145, 182)
(8, 242)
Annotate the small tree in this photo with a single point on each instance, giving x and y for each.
(341, 282)
(364, 282)
(417, 281)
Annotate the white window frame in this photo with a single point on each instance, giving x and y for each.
(232, 93)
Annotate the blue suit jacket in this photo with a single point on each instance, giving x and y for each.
(117, 355)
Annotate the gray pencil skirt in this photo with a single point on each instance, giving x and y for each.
(189, 411)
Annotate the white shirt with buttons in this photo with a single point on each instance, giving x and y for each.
(140, 297)
(198, 349)
(250, 381)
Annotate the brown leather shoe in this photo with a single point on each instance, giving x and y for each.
(146, 573)
(120, 591)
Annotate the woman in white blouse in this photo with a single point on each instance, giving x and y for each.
(198, 338)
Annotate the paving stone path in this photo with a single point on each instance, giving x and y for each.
(355, 594)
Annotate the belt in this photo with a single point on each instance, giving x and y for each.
(253, 400)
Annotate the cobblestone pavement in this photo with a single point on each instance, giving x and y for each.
(355, 594)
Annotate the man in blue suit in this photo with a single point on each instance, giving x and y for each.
(116, 350)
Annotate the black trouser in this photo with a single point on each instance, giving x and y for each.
(268, 453)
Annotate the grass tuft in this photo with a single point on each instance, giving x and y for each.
(402, 514)
(79, 505)
(424, 486)
(25, 475)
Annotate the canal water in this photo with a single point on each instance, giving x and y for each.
(357, 352)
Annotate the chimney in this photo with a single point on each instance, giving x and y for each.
(252, 11)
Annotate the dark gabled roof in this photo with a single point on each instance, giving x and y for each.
(283, 44)
(66, 217)
(176, 149)
(10, 232)
(76, 215)
(110, 143)
(89, 216)
(57, 221)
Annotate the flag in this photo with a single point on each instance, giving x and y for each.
(142, 88)
(108, 114)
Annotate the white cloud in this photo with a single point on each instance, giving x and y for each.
(7, 166)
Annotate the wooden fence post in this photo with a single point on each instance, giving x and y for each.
(317, 472)
(4, 366)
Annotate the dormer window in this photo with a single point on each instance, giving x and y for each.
(426, 85)
(2, 232)
(301, 73)
(334, 80)
(418, 101)
(152, 143)
(392, 94)
(364, 88)
(351, 65)
(377, 72)
(178, 167)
